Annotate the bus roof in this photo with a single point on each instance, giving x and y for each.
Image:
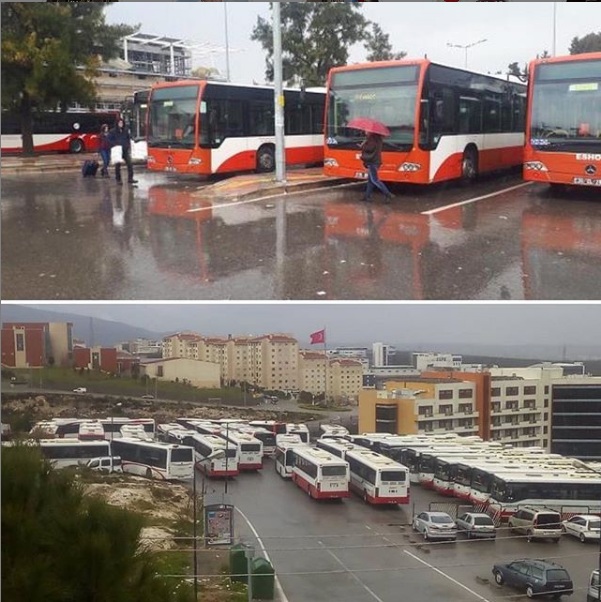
(67, 442)
(238, 436)
(373, 459)
(213, 440)
(155, 444)
(212, 82)
(587, 56)
(319, 456)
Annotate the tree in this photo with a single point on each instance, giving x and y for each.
(59, 545)
(522, 74)
(50, 56)
(205, 72)
(315, 37)
(589, 43)
(378, 46)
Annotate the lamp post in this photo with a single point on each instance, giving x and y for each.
(466, 47)
(227, 44)
(249, 553)
(555, 39)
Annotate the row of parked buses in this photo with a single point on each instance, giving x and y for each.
(490, 476)
(445, 123)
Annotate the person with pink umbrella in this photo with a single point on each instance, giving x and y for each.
(371, 153)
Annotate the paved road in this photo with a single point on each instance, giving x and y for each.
(69, 238)
(353, 552)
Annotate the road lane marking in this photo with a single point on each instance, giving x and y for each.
(475, 199)
(270, 197)
(465, 587)
(278, 585)
(351, 573)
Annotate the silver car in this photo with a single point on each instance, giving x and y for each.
(435, 525)
(476, 524)
(583, 526)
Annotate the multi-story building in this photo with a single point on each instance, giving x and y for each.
(142, 347)
(421, 405)
(36, 344)
(377, 375)
(380, 353)
(96, 358)
(429, 361)
(197, 373)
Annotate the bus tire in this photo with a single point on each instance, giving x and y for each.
(265, 159)
(365, 496)
(76, 146)
(469, 165)
(149, 474)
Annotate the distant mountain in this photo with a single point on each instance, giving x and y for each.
(105, 332)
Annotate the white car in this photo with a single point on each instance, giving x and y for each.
(583, 526)
(435, 525)
(80, 390)
(476, 524)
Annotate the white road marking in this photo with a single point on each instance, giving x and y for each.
(365, 587)
(476, 199)
(465, 587)
(278, 586)
(270, 197)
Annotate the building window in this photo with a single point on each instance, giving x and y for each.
(425, 411)
(546, 389)
(495, 391)
(447, 409)
(160, 371)
(545, 430)
(496, 406)
(445, 394)
(530, 390)
(465, 393)
(511, 405)
(546, 403)
(20, 342)
(512, 391)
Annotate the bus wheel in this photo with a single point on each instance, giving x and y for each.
(149, 474)
(469, 165)
(76, 146)
(265, 159)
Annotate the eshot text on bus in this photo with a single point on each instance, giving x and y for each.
(445, 123)
(563, 136)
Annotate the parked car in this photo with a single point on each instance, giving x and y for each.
(536, 523)
(105, 464)
(147, 396)
(592, 594)
(583, 526)
(535, 577)
(435, 525)
(476, 524)
(80, 390)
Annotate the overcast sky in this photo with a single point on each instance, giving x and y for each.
(515, 31)
(489, 324)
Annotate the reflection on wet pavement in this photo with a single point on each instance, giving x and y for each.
(69, 238)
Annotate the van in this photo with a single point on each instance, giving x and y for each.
(593, 593)
(105, 464)
(537, 523)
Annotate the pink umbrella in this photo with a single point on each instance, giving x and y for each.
(369, 125)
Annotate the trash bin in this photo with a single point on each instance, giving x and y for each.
(263, 579)
(238, 563)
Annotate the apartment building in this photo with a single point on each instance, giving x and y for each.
(344, 377)
(197, 373)
(36, 344)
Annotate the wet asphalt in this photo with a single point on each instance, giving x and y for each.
(65, 237)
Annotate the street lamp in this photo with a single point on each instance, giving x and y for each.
(466, 47)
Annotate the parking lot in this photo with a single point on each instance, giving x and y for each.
(350, 551)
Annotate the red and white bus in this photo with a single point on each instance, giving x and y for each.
(277, 428)
(378, 479)
(284, 454)
(250, 449)
(321, 474)
(302, 430)
(445, 123)
(215, 456)
(567, 494)
(70, 427)
(56, 131)
(155, 460)
(208, 127)
(563, 131)
(266, 437)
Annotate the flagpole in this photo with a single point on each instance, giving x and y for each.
(325, 353)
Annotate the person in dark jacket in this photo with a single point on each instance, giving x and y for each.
(105, 149)
(120, 136)
(371, 155)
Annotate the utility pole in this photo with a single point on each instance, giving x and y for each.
(278, 92)
(227, 44)
(194, 518)
(554, 52)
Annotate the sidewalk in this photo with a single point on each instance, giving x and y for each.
(15, 164)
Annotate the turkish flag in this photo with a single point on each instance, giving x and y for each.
(318, 337)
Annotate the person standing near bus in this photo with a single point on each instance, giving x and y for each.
(105, 150)
(120, 136)
(371, 155)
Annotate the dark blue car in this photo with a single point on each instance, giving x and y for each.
(535, 577)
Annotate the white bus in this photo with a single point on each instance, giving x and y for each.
(284, 454)
(67, 428)
(565, 493)
(250, 450)
(65, 452)
(334, 431)
(378, 479)
(320, 474)
(136, 431)
(155, 460)
(266, 437)
(204, 427)
(298, 429)
(210, 461)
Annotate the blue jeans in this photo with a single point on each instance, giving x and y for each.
(373, 181)
(106, 159)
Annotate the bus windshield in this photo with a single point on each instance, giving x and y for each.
(333, 471)
(182, 454)
(172, 116)
(566, 106)
(387, 94)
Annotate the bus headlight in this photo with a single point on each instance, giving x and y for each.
(410, 167)
(329, 162)
(535, 166)
(194, 161)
